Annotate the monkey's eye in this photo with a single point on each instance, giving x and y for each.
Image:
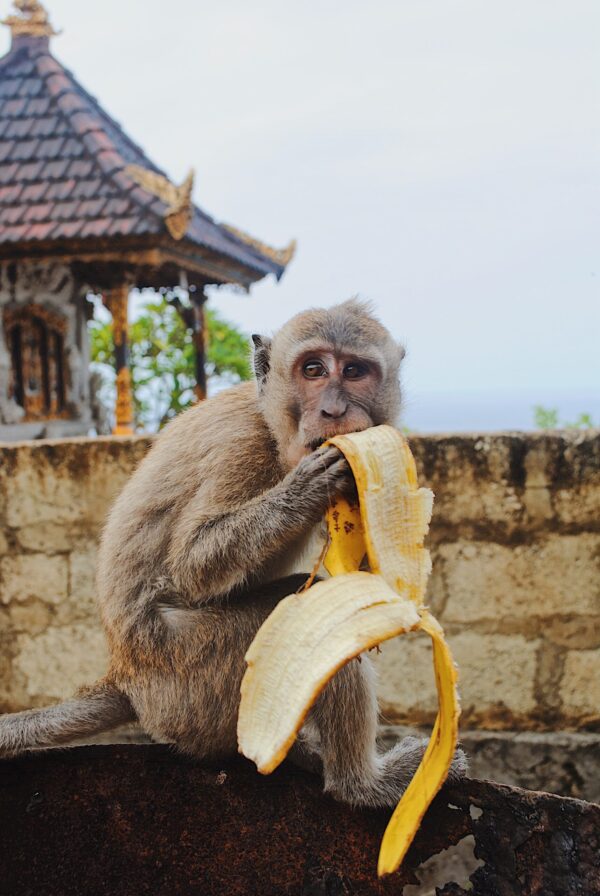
(313, 369)
(355, 371)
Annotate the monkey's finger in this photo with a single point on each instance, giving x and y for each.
(328, 456)
(341, 482)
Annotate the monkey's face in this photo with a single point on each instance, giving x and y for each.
(335, 392)
(326, 372)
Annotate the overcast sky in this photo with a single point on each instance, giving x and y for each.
(439, 157)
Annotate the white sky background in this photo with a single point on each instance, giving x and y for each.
(439, 157)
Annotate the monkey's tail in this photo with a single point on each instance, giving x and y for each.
(97, 708)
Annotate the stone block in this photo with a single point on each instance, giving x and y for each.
(496, 673)
(46, 538)
(81, 601)
(32, 617)
(558, 576)
(26, 576)
(580, 688)
(71, 481)
(60, 660)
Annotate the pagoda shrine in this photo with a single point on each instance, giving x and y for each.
(84, 211)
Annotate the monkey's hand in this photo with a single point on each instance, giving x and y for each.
(319, 479)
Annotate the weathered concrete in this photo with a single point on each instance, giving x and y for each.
(139, 820)
(562, 762)
(515, 542)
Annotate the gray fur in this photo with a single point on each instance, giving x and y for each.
(98, 709)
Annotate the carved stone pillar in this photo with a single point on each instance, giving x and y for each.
(117, 301)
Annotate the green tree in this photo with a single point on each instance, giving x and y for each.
(547, 418)
(162, 359)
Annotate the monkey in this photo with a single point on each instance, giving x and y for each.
(222, 519)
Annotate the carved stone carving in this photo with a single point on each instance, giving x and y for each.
(279, 256)
(100, 412)
(178, 199)
(23, 283)
(10, 411)
(32, 22)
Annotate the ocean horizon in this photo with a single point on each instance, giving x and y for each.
(477, 411)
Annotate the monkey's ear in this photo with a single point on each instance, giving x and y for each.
(262, 358)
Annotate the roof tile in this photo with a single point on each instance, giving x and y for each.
(38, 212)
(45, 127)
(62, 189)
(57, 84)
(80, 168)
(90, 208)
(109, 161)
(56, 168)
(122, 227)
(96, 141)
(24, 67)
(84, 122)
(14, 108)
(9, 87)
(40, 231)
(38, 106)
(13, 214)
(8, 173)
(6, 150)
(48, 65)
(28, 171)
(98, 227)
(72, 149)
(34, 192)
(14, 234)
(18, 127)
(64, 211)
(66, 230)
(86, 189)
(116, 206)
(23, 150)
(72, 102)
(31, 87)
(50, 148)
(10, 193)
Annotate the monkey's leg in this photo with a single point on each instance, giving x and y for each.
(354, 770)
(97, 709)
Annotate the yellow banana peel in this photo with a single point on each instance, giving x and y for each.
(309, 636)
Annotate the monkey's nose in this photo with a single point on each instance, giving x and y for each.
(334, 411)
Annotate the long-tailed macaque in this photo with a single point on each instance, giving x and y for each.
(222, 519)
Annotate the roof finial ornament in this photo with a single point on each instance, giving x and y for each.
(32, 20)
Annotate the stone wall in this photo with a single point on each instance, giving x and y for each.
(516, 583)
(54, 497)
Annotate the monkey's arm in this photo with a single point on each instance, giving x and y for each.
(212, 553)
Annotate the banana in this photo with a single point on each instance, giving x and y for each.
(309, 636)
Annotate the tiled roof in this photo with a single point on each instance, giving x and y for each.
(63, 166)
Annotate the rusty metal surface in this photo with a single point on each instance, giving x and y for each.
(140, 820)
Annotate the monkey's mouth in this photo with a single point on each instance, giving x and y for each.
(316, 443)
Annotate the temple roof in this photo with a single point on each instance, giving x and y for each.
(69, 172)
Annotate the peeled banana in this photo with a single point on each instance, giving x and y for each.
(309, 636)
